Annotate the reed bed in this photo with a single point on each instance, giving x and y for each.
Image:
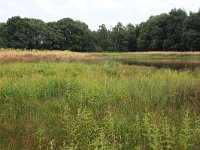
(10, 55)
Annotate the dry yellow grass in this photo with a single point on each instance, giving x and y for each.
(17, 55)
(9, 55)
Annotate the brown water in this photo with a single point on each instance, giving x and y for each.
(173, 63)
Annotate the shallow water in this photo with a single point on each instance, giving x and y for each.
(173, 63)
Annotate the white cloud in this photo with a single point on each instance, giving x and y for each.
(109, 5)
(12, 2)
(1, 11)
(48, 6)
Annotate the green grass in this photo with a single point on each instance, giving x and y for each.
(98, 106)
(146, 55)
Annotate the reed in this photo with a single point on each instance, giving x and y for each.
(10, 55)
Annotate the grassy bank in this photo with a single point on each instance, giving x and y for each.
(34, 56)
(149, 55)
(98, 106)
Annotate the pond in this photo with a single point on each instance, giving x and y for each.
(173, 63)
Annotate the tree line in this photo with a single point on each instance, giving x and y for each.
(173, 31)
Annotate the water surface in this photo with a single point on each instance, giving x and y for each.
(173, 63)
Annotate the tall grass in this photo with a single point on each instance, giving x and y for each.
(33, 56)
(98, 106)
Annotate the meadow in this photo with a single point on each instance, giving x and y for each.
(55, 104)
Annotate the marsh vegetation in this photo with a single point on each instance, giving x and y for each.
(104, 105)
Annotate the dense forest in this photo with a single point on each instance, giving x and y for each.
(173, 31)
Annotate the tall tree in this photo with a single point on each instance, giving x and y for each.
(36, 33)
(132, 38)
(191, 32)
(174, 30)
(53, 36)
(103, 38)
(120, 37)
(15, 32)
(24, 33)
(153, 33)
(75, 35)
(2, 35)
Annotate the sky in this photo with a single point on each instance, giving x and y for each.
(93, 12)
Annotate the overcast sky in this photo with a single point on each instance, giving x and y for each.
(93, 12)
